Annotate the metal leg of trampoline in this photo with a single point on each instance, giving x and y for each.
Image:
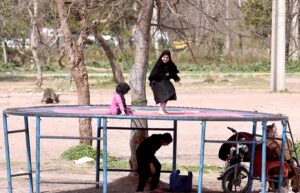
(174, 144)
(201, 164)
(38, 151)
(98, 153)
(263, 166)
(7, 153)
(104, 155)
(252, 156)
(29, 164)
(282, 154)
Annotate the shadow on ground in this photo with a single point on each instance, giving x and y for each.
(128, 185)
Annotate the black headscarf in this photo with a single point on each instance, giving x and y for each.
(160, 69)
(123, 88)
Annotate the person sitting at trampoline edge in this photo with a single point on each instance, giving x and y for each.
(163, 90)
(274, 145)
(118, 105)
(148, 165)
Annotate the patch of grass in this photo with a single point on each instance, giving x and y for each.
(209, 79)
(192, 168)
(79, 151)
(297, 148)
(104, 81)
(8, 67)
(211, 168)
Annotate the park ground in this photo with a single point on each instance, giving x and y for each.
(250, 92)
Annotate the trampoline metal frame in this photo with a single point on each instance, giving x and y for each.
(281, 118)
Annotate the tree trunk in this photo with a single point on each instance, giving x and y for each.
(155, 31)
(61, 56)
(294, 30)
(115, 67)
(4, 52)
(138, 73)
(35, 41)
(228, 38)
(76, 60)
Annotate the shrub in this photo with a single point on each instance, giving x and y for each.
(4, 67)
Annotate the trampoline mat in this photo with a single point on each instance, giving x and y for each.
(149, 112)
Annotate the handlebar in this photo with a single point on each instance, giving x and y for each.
(232, 129)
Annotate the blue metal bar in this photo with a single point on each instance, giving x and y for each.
(104, 155)
(29, 164)
(98, 153)
(252, 156)
(201, 164)
(282, 153)
(38, 154)
(8, 168)
(263, 166)
(174, 144)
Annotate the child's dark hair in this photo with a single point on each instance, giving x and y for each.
(167, 137)
(122, 88)
(270, 127)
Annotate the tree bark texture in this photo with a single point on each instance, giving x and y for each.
(76, 60)
(35, 40)
(115, 67)
(4, 52)
(138, 73)
(228, 38)
(294, 32)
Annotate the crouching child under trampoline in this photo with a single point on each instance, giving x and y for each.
(148, 165)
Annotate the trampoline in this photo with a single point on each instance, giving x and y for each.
(98, 112)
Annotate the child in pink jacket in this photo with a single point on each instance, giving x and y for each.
(118, 105)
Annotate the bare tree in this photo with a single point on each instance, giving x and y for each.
(228, 37)
(294, 29)
(35, 40)
(76, 59)
(4, 52)
(115, 66)
(138, 73)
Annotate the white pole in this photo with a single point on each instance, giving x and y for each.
(278, 46)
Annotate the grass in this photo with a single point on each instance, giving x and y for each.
(79, 151)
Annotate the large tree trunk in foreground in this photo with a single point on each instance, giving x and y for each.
(138, 74)
(76, 61)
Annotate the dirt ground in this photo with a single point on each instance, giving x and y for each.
(251, 93)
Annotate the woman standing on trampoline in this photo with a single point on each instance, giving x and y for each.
(163, 90)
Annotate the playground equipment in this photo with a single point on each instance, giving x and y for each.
(140, 112)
